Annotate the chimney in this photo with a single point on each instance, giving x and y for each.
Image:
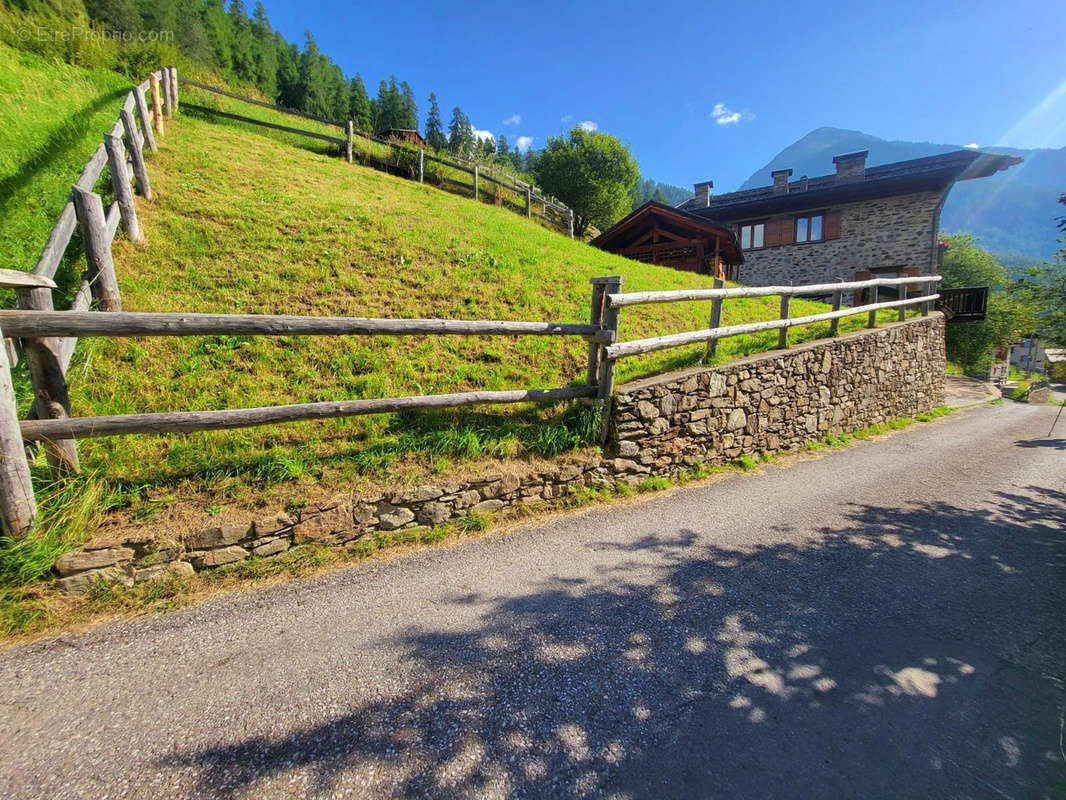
(851, 166)
(803, 183)
(703, 193)
(781, 177)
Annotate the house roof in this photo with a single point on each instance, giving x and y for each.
(932, 173)
(624, 230)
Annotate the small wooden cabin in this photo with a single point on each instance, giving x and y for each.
(410, 136)
(658, 234)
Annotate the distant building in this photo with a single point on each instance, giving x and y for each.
(857, 223)
(408, 135)
(1029, 355)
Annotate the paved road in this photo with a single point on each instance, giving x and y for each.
(885, 621)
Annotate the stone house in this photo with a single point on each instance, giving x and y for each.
(857, 223)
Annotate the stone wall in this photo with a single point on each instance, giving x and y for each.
(887, 232)
(768, 403)
(779, 400)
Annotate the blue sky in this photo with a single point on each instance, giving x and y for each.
(713, 90)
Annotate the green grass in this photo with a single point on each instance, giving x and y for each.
(53, 117)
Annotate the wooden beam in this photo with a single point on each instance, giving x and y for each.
(641, 346)
(134, 323)
(641, 298)
(190, 421)
(17, 504)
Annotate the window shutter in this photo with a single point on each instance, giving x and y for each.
(773, 235)
(788, 230)
(831, 225)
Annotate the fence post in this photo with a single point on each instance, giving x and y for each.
(929, 289)
(168, 94)
(349, 128)
(101, 273)
(605, 366)
(146, 122)
(157, 110)
(529, 203)
(871, 321)
(476, 190)
(421, 165)
(51, 398)
(120, 182)
(571, 223)
(595, 318)
(17, 505)
(834, 323)
(172, 71)
(782, 334)
(140, 171)
(716, 318)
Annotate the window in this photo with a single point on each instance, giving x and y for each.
(809, 229)
(752, 236)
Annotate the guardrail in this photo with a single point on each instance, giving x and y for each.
(613, 300)
(526, 191)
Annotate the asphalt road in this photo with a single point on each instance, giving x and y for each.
(885, 621)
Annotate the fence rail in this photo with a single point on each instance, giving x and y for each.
(565, 220)
(121, 154)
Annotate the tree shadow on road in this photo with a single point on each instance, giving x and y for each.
(912, 652)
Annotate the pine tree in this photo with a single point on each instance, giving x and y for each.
(288, 72)
(394, 112)
(502, 148)
(242, 51)
(114, 15)
(487, 146)
(435, 137)
(190, 32)
(359, 104)
(314, 84)
(265, 53)
(410, 108)
(381, 108)
(460, 134)
(219, 30)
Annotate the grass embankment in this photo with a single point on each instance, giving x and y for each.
(240, 224)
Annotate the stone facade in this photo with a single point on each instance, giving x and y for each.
(886, 232)
(781, 400)
(768, 403)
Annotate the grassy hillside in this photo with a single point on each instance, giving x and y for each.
(242, 224)
(53, 116)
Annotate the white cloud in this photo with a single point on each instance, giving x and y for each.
(566, 119)
(971, 146)
(482, 135)
(724, 115)
(588, 125)
(514, 119)
(523, 143)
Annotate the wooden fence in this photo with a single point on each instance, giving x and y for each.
(39, 327)
(410, 162)
(608, 301)
(47, 357)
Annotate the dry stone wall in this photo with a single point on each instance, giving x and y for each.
(779, 400)
(772, 402)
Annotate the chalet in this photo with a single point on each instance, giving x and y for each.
(658, 234)
(857, 223)
(408, 135)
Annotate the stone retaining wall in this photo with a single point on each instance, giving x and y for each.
(768, 403)
(779, 400)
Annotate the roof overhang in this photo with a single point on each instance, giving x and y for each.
(625, 229)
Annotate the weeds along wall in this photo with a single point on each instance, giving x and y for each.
(774, 402)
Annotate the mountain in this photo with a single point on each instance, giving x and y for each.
(1012, 212)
